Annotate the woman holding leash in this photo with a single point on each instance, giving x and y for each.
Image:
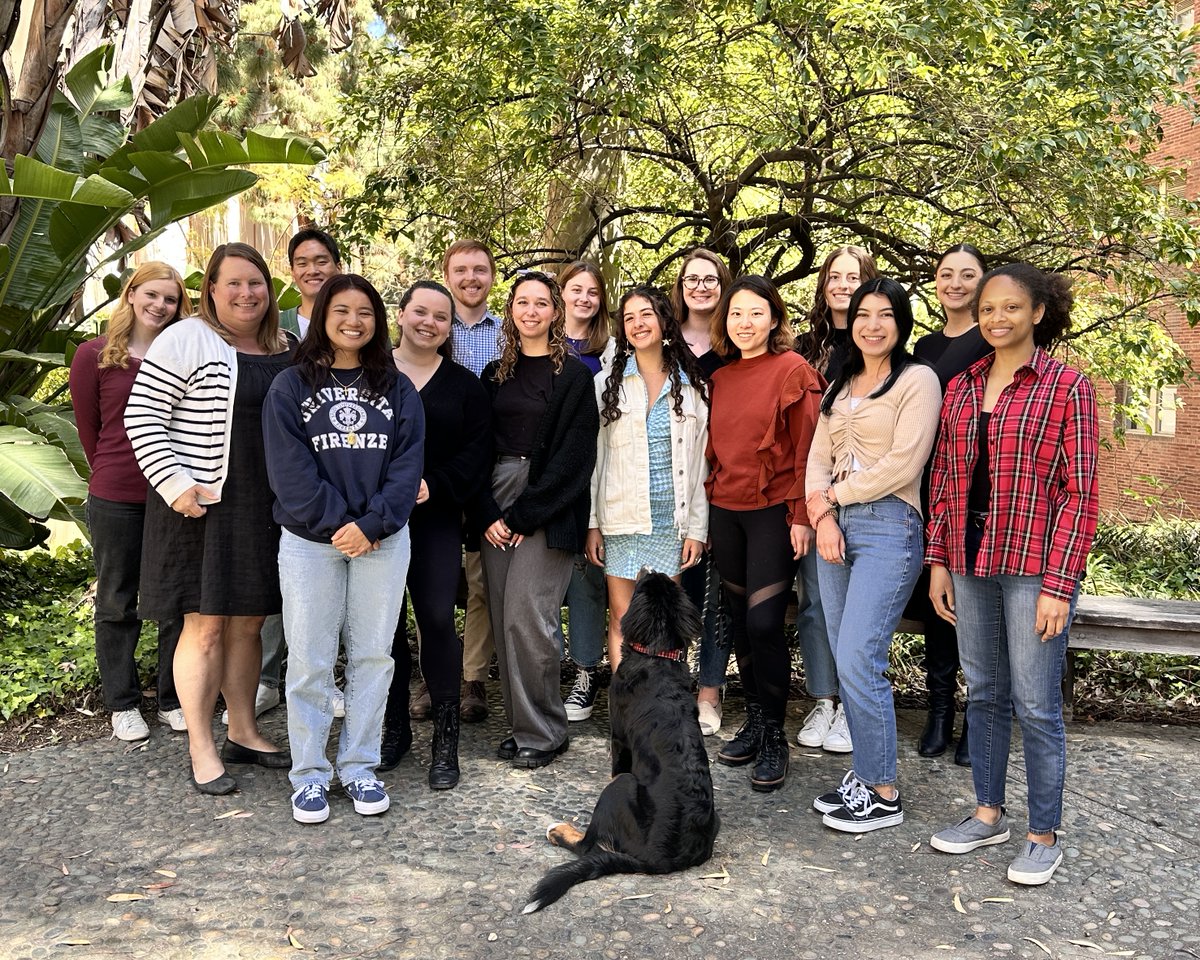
(649, 507)
(102, 375)
(878, 420)
(703, 278)
(534, 516)
(344, 435)
(1013, 510)
(764, 411)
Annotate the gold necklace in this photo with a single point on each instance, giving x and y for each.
(347, 386)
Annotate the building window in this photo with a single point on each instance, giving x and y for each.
(1185, 14)
(1155, 414)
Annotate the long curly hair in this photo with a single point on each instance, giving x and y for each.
(316, 353)
(1049, 290)
(120, 324)
(816, 343)
(512, 339)
(677, 355)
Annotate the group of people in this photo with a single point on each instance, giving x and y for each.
(248, 465)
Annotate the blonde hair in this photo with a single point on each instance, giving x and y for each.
(269, 336)
(120, 325)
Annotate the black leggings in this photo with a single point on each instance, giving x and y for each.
(433, 574)
(753, 553)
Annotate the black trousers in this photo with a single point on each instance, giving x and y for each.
(116, 530)
(753, 553)
(433, 573)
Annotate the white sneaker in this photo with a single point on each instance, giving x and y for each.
(265, 698)
(173, 719)
(816, 725)
(710, 717)
(339, 702)
(129, 725)
(837, 740)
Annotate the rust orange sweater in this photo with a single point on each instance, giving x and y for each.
(764, 413)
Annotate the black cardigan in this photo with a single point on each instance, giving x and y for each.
(458, 438)
(558, 496)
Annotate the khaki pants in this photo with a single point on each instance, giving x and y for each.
(477, 633)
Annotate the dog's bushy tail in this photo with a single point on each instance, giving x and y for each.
(591, 866)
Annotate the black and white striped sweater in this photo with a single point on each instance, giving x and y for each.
(180, 412)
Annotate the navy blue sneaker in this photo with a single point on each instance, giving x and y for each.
(368, 795)
(310, 804)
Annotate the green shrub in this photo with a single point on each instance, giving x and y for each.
(47, 640)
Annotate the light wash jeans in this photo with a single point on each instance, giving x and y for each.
(820, 670)
(1008, 668)
(586, 601)
(326, 595)
(864, 599)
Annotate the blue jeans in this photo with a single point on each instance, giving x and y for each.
(863, 600)
(820, 670)
(586, 601)
(1008, 668)
(325, 595)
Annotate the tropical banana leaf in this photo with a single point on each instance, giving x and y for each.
(17, 532)
(54, 423)
(35, 474)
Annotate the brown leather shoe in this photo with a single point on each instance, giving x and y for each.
(474, 708)
(420, 706)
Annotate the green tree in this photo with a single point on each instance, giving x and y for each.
(771, 130)
(87, 179)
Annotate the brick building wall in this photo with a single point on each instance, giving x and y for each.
(1172, 460)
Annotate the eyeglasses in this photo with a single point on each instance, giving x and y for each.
(693, 282)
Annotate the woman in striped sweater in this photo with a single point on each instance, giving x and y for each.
(195, 421)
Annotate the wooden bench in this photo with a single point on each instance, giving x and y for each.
(1121, 623)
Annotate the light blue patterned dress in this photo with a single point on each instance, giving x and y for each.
(626, 554)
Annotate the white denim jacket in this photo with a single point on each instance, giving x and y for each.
(621, 480)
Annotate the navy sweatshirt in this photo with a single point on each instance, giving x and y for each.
(336, 455)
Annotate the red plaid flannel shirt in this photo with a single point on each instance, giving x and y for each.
(1043, 437)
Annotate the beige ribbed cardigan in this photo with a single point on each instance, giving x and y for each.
(890, 436)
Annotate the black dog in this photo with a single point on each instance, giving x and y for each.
(657, 813)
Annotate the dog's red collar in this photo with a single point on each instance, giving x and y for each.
(675, 655)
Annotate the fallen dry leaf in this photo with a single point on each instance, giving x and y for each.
(242, 815)
(638, 896)
(667, 908)
(997, 900)
(766, 856)
(74, 942)
(958, 904)
(31, 780)
(1038, 943)
(76, 856)
(534, 786)
(167, 873)
(65, 871)
(292, 941)
(227, 814)
(808, 866)
(723, 875)
(125, 897)
(915, 847)
(1163, 846)
(1086, 943)
(161, 885)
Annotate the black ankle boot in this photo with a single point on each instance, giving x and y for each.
(962, 753)
(772, 767)
(443, 772)
(397, 740)
(939, 728)
(746, 743)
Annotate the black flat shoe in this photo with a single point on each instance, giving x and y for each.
(962, 753)
(222, 785)
(507, 749)
(272, 759)
(530, 758)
